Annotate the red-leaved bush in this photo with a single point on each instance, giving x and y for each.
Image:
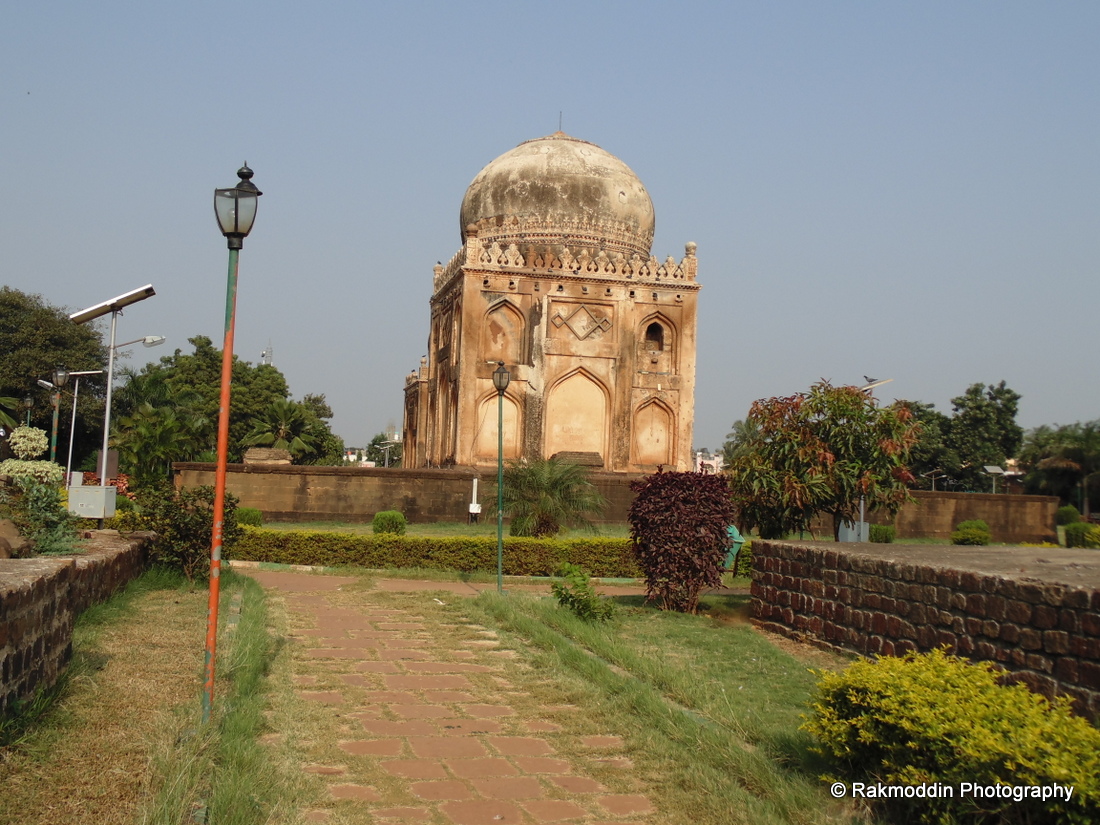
(678, 525)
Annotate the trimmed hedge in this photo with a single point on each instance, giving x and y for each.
(1082, 534)
(605, 558)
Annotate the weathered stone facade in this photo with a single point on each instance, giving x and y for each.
(40, 599)
(1033, 611)
(555, 280)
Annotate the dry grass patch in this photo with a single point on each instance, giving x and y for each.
(135, 658)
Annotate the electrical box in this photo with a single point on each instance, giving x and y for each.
(92, 502)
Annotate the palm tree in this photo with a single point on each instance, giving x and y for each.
(1064, 456)
(284, 426)
(151, 438)
(5, 419)
(543, 496)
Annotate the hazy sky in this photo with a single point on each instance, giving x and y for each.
(900, 190)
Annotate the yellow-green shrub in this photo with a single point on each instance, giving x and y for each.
(935, 718)
(522, 556)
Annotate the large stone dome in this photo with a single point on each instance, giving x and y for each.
(560, 190)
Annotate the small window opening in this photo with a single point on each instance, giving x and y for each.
(655, 336)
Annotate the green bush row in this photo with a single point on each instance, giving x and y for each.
(1083, 534)
(604, 557)
(934, 718)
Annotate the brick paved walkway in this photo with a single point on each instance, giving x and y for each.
(430, 725)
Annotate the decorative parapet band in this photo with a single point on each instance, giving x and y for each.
(546, 232)
(561, 260)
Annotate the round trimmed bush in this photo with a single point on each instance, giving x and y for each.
(971, 536)
(389, 521)
(1067, 515)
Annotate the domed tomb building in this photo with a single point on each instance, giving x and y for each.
(555, 278)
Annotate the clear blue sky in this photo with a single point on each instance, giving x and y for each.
(900, 190)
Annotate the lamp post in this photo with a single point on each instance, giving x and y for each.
(72, 421)
(60, 378)
(235, 210)
(28, 402)
(501, 377)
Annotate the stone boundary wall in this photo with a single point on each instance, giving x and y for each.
(40, 599)
(355, 494)
(1033, 611)
(306, 493)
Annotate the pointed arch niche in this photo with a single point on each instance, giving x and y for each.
(654, 429)
(656, 343)
(502, 334)
(576, 416)
(485, 445)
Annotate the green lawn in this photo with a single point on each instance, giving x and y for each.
(709, 705)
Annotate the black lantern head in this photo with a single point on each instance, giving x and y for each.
(235, 208)
(501, 377)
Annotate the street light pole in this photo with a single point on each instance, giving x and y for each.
(501, 377)
(235, 210)
(72, 421)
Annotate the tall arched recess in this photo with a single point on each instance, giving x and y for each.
(485, 440)
(654, 433)
(502, 333)
(576, 412)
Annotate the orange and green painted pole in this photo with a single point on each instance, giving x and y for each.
(219, 490)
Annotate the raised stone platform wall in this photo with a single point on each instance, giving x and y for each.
(41, 597)
(304, 493)
(1033, 611)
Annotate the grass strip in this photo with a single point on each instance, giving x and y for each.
(711, 772)
(221, 772)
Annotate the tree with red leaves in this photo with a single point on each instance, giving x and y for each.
(821, 452)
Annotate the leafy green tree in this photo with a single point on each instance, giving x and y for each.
(330, 447)
(284, 425)
(739, 441)
(196, 378)
(37, 338)
(151, 438)
(541, 497)
(1063, 461)
(821, 452)
(931, 456)
(983, 431)
(376, 450)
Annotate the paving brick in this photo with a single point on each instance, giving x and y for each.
(542, 727)
(415, 768)
(373, 747)
(624, 804)
(448, 667)
(476, 768)
(316, 815)
(384, 727)
(349, 791)
(542, 764)
(402, 641)
(447, 696)
(509, 787)
(400, 625)
(444, 747)
(422, 711)
(488, 711)
(520, 745)
(304, 680)
(334, 653)
(482, 812)
(621, 762)
(443, 789)
(400, 697)
(377, 667)
(577, 784)
(448, 682)
(554, 810)
(400, 653)
(466, 727)
(402, 814)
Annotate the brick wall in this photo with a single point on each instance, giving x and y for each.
(1033, 611)
(41, 597)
